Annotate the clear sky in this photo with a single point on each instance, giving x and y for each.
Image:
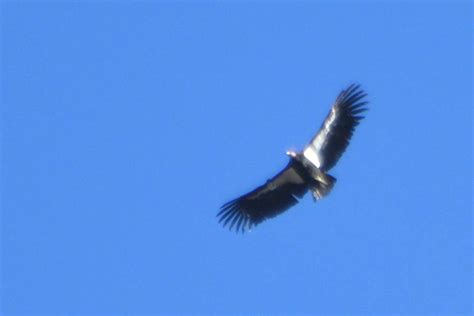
(125, 126)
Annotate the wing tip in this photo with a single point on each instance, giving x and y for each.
(233, 217)
(353, 99)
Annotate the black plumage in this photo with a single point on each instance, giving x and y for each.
(305, 171)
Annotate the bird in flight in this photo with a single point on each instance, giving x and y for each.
(306, 170)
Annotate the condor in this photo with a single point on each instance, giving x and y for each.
(306, 170)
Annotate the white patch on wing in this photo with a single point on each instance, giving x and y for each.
(312, 152)
(311, 155)
(330, 119)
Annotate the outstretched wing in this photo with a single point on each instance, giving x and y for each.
(274, 197)
(332, 139)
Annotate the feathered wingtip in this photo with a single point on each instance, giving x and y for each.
(231, 214)
(351, 99)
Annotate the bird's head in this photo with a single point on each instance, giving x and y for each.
(293, 154)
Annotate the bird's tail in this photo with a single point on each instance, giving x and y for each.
(324, 184)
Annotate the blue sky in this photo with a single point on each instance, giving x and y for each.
(125, 126)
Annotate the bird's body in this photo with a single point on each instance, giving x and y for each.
(318, 182)
(306, 170)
